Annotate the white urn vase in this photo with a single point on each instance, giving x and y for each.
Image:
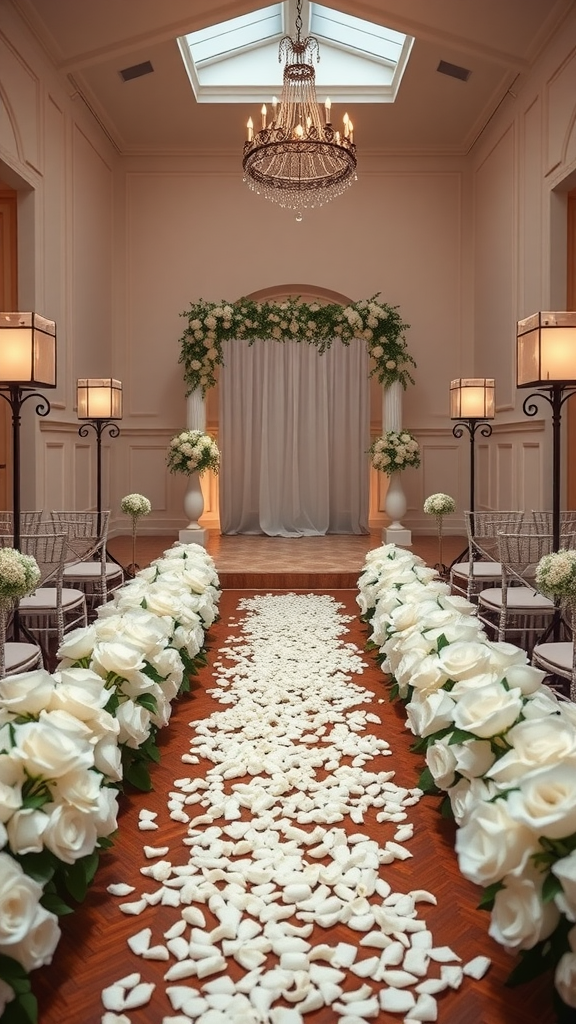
(395, 501)
(193, 502)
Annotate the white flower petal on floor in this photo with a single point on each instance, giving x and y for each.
(293, 754)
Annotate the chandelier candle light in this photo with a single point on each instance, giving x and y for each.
(297, 158)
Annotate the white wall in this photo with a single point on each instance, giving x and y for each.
(115, 248)
(521, 169)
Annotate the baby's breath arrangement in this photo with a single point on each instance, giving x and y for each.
(210, 324)
(439, 505)
(19, 575)
(556, 574)
(396, 449)
(135, 506)
(193, 451)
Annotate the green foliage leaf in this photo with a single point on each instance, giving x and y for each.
(39, 866)
(446, 809)
(426, 782)
(148, 701)
(441, 643)
(22, 1010)
(489, 895)
(152, 673)
(461, 736)
(551, 887)
(52, 902)
(138, 775)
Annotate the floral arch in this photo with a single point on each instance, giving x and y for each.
(292, 316)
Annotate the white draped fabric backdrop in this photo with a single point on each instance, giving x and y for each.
(294, 432)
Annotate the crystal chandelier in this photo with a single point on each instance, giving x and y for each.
(296, 160)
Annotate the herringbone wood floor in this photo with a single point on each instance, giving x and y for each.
(93, 950)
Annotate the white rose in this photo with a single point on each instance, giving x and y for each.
(423, 674)
(488, 710)
(429, 714)
(504, 655)
(46, 752)
(442, 763)
(80, 692)
(473, 758)
(190, 640)
(27, 693)
(134, 723)
(565, 871)
(535, 743)
(519, 917)
(546, 801)
(565, 978)
(77, 644)
(464, 659)
(482, 856)
(19, 898)
(527, 678)
(108, 757)
(106, 818)
(79, 788)
(466, 795)
(37, 948)
(25, 831)
(542, 704)
(10, 800)
(70, 834)
(120, 658)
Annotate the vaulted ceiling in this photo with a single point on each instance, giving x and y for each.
(90, 43)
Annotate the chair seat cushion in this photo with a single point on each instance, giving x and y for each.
(46, 599)
(93, 571)
(557, 656)
(21, 657)
(481, 570)
(519, 599)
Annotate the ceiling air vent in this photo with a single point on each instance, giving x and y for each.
(453, 70)
(136, 71)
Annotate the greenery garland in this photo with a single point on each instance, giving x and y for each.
(212, 323)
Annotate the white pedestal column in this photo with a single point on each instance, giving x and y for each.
(193, 500)
(395, 506)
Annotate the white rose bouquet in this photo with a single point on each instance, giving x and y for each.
(193, 451)
(396, 449)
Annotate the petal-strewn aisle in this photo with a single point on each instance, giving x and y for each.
(280, 757)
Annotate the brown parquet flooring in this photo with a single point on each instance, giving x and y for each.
(93, 950)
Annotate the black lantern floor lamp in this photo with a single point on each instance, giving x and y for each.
(472, 404)
(100, 405)
(27, 362)
(546, 360)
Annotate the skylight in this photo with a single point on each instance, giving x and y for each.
(236, 61)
